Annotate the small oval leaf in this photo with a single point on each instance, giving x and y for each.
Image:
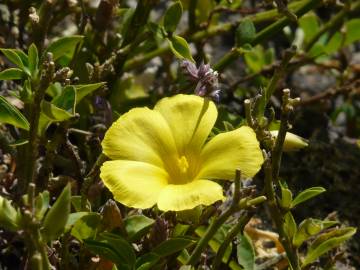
(173, 16)
(180, 47)
(307, 194)
(245, 32)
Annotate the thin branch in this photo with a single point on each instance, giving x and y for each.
(237, 228)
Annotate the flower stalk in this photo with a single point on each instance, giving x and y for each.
(236, 205)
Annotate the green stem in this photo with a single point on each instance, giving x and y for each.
(271, 87)
(238, 227)
(271, 170)
(216, 224)
(35, 109)
(280, 139)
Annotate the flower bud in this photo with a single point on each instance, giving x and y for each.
(292, 142)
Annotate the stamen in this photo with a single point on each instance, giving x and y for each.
(183, 164)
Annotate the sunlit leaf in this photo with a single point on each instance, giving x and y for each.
(86, 226)
(9, 216)
(33, 59)
(245, 252)
(9, 114)
(310, 25)
(82, 90)
(63, 48)
(352, 31)
(42, 204)
(307, 194)
(11, 74)
(180, 47)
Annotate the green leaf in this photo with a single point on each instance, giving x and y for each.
(172, 16)
(53, 113)
(180, 47)
(11, 74)
(33, 59)
(9, 114)
(352, 31)
(64, 46)
(307, 194)
(255, 58)
(86, 226)
(9, 216)
(310, 227)
(145, 262)
(56, 218)
(24, 58)
(245, 252)
(42, 204)
(120, 245)
(172, 246)
(73, 218)
(16, 57)
(67, 99)
(245, 32)
(114, 248)
(82, 90)
(54, 89)
(105, 251)
(310, 25)
(137, 226)
(326, 242)
(290, 226)
(334, 44)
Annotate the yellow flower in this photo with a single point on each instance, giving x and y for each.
(160, 156)
(292, 141)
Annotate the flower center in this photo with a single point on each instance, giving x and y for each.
(183, 164)
(181, 170)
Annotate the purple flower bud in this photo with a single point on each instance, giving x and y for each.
(203, 78)
(189, 69)
(204, 69)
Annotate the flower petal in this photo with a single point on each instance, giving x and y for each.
(226, 152)
(190, 119)
(190, 195)
(133, 183)
(141, 135)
